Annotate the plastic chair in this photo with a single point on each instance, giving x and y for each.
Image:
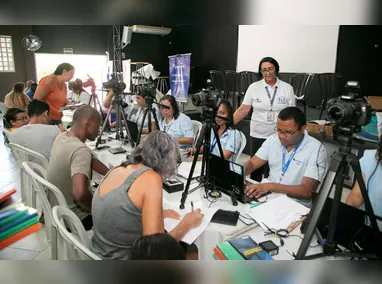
(6, 134)
(242, 146)
(301, 85)
(74, 245)
(23, 154)
(197, 126)
(232, 88)
(3, 108)
(45, 191)
(218, 81)
(247, 78)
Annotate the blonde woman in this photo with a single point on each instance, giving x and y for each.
(17, 98)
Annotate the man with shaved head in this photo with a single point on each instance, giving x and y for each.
(71, 163)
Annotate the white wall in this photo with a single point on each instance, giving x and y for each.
(296, 48)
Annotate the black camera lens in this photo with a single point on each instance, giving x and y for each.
(336, 113)
(196, 100)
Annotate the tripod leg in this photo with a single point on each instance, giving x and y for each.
(315, 212)
(140, 130)
(197, 151)
(330, 245)
(105, 123)
(358, 175)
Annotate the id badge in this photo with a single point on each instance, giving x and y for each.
(270, 116)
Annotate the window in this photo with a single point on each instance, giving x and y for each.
(6, 54)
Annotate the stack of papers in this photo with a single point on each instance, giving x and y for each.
(278, 213)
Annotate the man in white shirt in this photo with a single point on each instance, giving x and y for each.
(38, 135)
(297, 161)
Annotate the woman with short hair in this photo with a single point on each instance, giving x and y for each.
(128, 202)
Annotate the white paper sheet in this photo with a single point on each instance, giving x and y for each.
(185, 168)
(278, 213)
(192, 235)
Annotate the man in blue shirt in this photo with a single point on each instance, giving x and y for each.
(30, 92)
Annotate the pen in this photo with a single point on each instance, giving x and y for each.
(192, 206)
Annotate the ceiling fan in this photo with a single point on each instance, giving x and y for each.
(31, 43)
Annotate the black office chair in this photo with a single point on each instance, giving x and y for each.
(218, 81)
(329, 88)
(247, 78)
(301, 85)
(232, 88)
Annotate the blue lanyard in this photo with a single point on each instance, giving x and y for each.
(271, 100)
(214, 142)
(284, 167)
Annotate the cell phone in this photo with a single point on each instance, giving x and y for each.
(102, 148)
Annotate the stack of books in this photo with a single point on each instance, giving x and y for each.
(241, 249)
(16, 221)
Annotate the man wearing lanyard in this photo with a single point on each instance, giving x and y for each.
(297, 161)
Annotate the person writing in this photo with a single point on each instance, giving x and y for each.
(267, 97)
(52, 90)
(297, 161)
(128, 202)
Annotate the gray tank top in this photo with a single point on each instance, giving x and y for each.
(117, 222)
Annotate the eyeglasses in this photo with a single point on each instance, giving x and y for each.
(164, 107)
(23, 118)
(269, 70)
(286, 133)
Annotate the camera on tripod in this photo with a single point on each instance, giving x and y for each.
(113, 84)
(209, 97)
(147, 91)
(350, 109)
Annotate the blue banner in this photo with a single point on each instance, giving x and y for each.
(180, 76)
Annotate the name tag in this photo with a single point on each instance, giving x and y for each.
(298, 162)
(281, 100)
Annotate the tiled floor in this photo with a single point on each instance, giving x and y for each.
(34, 246)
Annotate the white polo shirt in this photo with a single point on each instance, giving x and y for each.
(257, 97)
(309, 161)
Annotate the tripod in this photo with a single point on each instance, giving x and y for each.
(339, 165)
(117, 102)
(205, 135)
(94, 102)
(148, 111)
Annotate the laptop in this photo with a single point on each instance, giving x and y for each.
(133, 129)
(218, 177)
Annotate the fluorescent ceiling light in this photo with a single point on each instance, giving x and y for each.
(150, 30)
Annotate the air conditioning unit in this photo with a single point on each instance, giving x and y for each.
(151, 30)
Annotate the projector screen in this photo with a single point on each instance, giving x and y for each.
(298, 49)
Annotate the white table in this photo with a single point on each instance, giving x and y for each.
(214, 233)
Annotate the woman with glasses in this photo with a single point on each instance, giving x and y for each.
(175, 123)
(267, 98)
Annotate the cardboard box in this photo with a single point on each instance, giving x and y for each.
(314, 127)
(375, 102)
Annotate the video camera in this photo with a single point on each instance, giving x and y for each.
(350, 109)
(114, 84)
(209, 97)
(148, 91)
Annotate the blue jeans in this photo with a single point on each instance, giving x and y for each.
(55, 122)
